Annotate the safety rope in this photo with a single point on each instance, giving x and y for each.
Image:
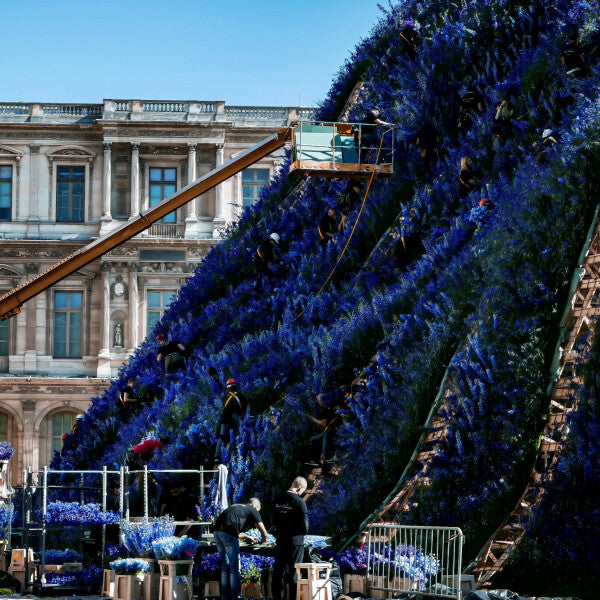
(371, 178)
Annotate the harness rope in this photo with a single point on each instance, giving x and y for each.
(337, 262)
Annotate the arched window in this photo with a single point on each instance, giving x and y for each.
(61, 423)
(4, 428)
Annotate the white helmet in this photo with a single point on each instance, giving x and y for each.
(275, 237)
(547, 133)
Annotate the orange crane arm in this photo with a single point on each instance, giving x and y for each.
(11, 302)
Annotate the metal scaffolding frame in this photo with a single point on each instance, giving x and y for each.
(34, 509)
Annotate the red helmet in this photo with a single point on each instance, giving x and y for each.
(231, 381)
(161, 337)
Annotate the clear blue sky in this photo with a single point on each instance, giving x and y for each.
(274, 52)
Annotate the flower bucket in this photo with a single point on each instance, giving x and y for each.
(108, 582)
(128, 587)
(379, 581)
(212, 588)
(151, 586)
(54, 568)
(176, 568)
(355, 583)
(175, 579)
(252, 590)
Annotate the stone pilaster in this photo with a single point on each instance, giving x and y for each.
(104, 354)
(106, 217)
(133, 306)
(219, 220)
(191, 220)
(135, 181)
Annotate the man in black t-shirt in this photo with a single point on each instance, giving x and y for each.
(327, 226)
(572, 57)
(230, 525)
(171, 353)
(127, 399)
(290, 518)
(234, 408)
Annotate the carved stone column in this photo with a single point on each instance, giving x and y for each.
(135, 181)
(106, 218)
(107, 183)
(191, 219)
(33, 218)
(219, 220)
(103, 370)
(133, 306)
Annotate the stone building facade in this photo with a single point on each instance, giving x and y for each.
(70, 173)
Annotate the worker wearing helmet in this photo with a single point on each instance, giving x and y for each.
(266, 254)
(327, 226)
(234, 408)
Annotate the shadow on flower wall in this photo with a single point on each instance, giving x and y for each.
(497, 277)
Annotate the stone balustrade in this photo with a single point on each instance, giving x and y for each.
(151, 110)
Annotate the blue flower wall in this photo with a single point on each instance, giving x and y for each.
(484, 298)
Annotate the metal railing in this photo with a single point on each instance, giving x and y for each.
(166, 230)
(347, 143)
(70, 110)
(97, 486)
(402, 558)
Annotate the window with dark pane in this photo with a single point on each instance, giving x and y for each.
(70, 185)
(3, 427)
(253, 181)
(163, 183)
(3, 338)
(67, 324)
(61, 423)
(5, 192)
(157, 303)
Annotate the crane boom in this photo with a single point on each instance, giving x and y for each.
(11, 301)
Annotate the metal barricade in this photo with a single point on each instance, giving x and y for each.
(403, 558)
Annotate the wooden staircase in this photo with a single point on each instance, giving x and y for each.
(580, 323)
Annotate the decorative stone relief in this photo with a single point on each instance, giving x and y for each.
(164, 150)
(119, 289)
(28, 405)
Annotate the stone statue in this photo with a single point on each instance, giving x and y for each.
(118, 335)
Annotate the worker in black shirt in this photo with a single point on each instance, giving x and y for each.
(180, 504)
(290, 518)
(127, 398)
(572, 57)
(427, 142)
(329, 419)
(471, 106)
(408, 39)
(327, 226)
(171, 353)
(366, 138)
(229, 527)
(266, 254)
(234, 408)
(468, 179)
(407, 247)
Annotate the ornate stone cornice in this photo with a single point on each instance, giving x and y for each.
(164, 133)
(41, 385)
